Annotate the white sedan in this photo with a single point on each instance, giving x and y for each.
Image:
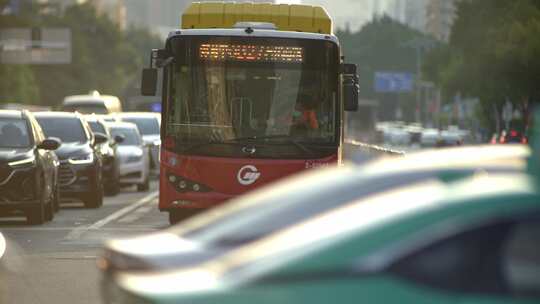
(133, 155)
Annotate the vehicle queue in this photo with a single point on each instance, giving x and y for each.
(80, 154)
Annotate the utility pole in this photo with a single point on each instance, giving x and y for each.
(420, 45)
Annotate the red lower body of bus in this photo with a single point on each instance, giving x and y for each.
(199, 182)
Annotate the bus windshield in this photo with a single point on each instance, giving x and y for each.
(226, 89)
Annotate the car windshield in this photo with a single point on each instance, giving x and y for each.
(131, 136)
(83, 108)
(146, 125)
(67, 129)
(97, 127)
(14, 133)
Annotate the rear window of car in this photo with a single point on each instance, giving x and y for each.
(146, 125)
(14, 133)
(131, 137)
(97, 127)
(67, 129)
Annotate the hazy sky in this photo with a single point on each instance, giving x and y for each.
(354, 12)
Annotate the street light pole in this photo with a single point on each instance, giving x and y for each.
(419, 44)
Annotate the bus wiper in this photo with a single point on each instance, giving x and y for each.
(255, 137)
(287, 140)
(209, 143)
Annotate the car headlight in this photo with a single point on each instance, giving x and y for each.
(23, 162)
(83, 159)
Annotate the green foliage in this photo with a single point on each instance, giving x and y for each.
(383, 45)
(104, 58)
(17, 84)
(493, 53)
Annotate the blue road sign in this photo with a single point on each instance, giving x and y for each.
(392, 82)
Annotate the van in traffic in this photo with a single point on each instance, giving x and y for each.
(93, 103)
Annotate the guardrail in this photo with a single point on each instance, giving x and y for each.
(374, 148)
(359, 152)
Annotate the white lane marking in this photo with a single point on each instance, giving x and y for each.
(135, 216)
(79, 231)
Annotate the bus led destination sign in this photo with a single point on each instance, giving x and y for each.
(251, 53)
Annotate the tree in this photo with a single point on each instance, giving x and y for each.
(17, 84)
(104, 58)
(493, 54)
(383, 45)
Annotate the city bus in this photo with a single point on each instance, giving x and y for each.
(251, 93)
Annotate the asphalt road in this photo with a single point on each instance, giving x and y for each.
(56, 262)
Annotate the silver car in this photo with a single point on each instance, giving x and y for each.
(149, 125)
(133, 155)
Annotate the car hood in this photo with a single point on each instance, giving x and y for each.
(10, 155)
(67, 150)
(157, 251)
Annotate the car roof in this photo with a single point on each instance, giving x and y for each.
(121, 125)
(314, 240)
(11, 114)
(421, 205)
(467, 156)
(139, 115)
(58, 114)
(92, 118)
(76, 99)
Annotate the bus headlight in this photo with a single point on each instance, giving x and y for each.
(182, 184)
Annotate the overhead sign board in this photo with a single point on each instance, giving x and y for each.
(394, 82)
(35, 46)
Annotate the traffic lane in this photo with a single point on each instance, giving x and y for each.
(56, 262)
(50, 236)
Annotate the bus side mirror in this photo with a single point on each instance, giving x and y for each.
(351, 88)
(149, 82)
(350, 97)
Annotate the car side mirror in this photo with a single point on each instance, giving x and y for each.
(350, 95)
(50, 144)
(149, 82)
(100, 138)
(119, 139)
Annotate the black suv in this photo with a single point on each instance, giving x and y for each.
(28, 168)
(111, 170)
(80, 173)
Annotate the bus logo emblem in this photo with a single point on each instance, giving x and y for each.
(248, 175)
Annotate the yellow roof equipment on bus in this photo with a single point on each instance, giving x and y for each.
(286, 17)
